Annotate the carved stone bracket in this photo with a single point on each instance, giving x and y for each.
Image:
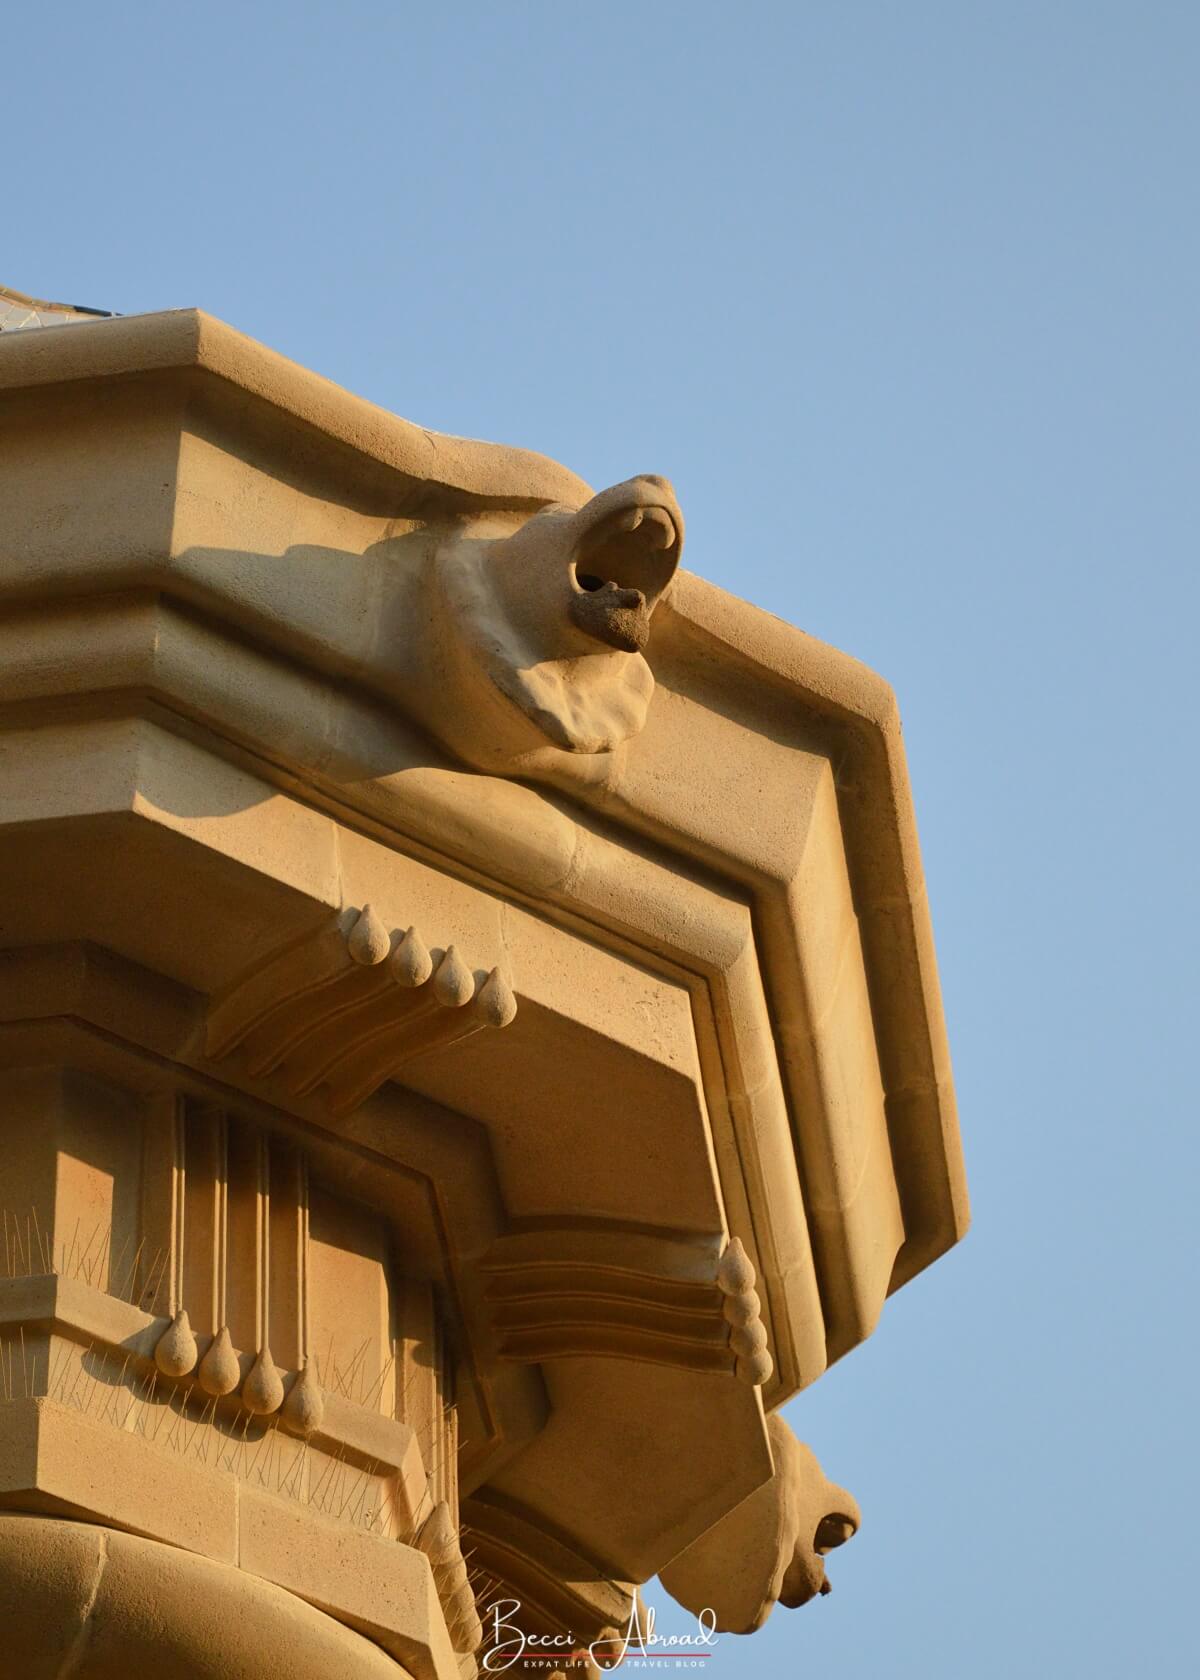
(573, 1294)
(519, 1560)
(346, 1007)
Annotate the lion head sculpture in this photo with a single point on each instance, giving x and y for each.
(769, 1549)
(533, 642)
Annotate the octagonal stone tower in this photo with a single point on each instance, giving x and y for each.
(469, 1034)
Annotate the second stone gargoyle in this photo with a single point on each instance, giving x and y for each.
(533, 642)
(769, 1549)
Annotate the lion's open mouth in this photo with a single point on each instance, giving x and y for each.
(622, 564)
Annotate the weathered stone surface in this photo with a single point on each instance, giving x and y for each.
(468, 1024)
(101, 1605)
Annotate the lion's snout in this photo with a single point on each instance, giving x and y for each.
(541, 632)
(627, 545)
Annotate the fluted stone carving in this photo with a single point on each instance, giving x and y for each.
(347, 1008)
(568, 1294)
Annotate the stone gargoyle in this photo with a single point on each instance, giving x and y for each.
(533, 642)
(769, 1549)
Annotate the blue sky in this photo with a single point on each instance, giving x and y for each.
(903, 297)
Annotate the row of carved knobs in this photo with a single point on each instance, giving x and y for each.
(742, 1311)
(411, 962)
(219, 1373)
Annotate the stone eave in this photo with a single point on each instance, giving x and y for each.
(467, 471)
(858, 712)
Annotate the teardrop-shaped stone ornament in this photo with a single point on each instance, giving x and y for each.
(368, 942)
(453, 983)
(756, 1368)
(411, 963)
(220, 1370)
(496, 1004)
(736, 1271)
(176, 1352)
(742, 1309)
(262, 1391)
(304, 1408)
(749, 1338)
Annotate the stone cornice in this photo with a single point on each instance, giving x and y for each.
(450, 470)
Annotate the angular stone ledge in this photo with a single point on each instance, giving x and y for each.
(378, 1587)
(77, 1599)
(89, 1316)
(54, 1461)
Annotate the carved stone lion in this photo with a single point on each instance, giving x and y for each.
(532, 643)
(769, 1549)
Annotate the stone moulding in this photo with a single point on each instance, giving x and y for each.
(569, 1294)
(130, 1338)
(391, 455)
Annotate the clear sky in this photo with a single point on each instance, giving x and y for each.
(903, 297)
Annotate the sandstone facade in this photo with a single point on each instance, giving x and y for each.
(469, 1033)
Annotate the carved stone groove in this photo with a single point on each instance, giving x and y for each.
(618, 1296)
